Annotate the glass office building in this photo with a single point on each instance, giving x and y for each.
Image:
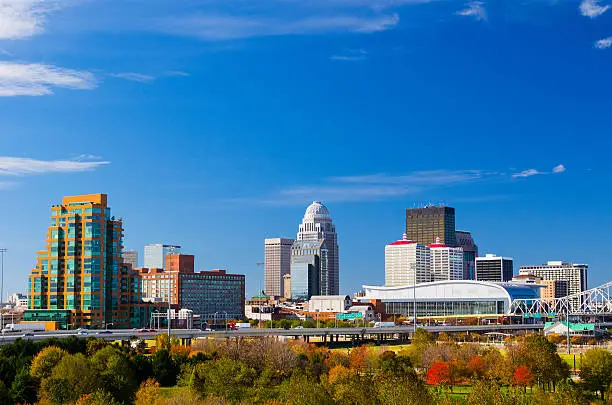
(309, 268)
(81, 270)
(424, 225)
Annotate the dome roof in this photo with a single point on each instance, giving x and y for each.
(316, 210)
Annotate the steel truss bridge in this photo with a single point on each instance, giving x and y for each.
(596, 302)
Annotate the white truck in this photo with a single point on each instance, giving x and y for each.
(23, 327)
(243, 325)
(384, 324)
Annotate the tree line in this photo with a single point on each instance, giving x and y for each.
(270, 371)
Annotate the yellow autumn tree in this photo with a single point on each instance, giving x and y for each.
(149, 393)
(45, 360)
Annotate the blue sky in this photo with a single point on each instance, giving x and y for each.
(213, 124)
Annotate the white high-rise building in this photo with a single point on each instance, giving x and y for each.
(407, 263)
(446, 262)
(130, 257)
(155, 255)
(318, 226)
(574, 274)
(277, 263)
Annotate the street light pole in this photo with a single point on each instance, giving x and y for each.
(169, 304)
(2, 252)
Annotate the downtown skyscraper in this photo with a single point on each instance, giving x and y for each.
(277, 263)
(317, 226)
(424, 225)
(80, 279)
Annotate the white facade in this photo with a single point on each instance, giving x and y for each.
(446, 262)
(155, 255)
(277, 263)
(452, 297)
(130, 257)
(329, 303)
(317, 226)
(406, 263)
(574, 274)
(18, 300)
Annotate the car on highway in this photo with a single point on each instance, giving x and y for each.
(104, 332)
(299, 327)
(82, 333)
(27, 334)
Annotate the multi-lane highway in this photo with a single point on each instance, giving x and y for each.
(254, 332)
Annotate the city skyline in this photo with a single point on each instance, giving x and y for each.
(215, 133)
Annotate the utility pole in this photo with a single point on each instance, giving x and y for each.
(169, 306)
(569, 350)
(2, 252)
(260, 294)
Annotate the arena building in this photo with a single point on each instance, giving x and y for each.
(450, 298)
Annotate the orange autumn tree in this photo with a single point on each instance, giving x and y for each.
(358, 358)
(523, 376)
(476, 366)
(439, 373)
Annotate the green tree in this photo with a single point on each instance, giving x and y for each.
(301, 390)
(308, 324)
(57, 391)
(115, 373)
(356, 389)
(76, 370)
(24, 387)
(402, 390)
(596, 370)
(164, 369)
(540, 355)
(225, 377)
(285, 323)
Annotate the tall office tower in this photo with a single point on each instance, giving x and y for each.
(494, 268)
(424, 225)
(575, 274)
(309, 262)
(130, 257)
(287, 286)
(80, 279)
(277, 263)
(446, 262)
(318, 226)
(155, 255)
(470, 253)
(406, 263)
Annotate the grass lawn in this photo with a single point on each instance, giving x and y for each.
(173, 392)
(569, 359)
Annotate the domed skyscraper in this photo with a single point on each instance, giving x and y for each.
(317, 236)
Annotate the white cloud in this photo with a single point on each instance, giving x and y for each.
(351, 55)
(18, 79)
(375, 187)
(604, 43)
(219, 27)
(134, 77)
(559, 169)
(592, 8)
(526, 173)
(16, 166)
(474, 9)
(178, 73)
(85, 156)
(24, 18)
(533, 172)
